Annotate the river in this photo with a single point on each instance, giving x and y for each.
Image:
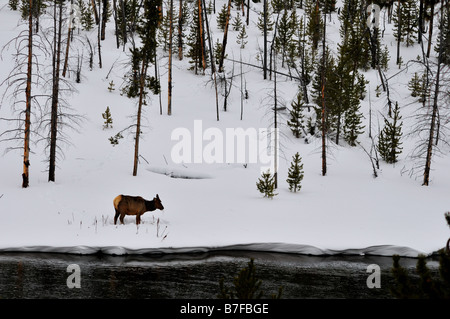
(191, 276)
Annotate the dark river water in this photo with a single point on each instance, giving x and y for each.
(191, 276)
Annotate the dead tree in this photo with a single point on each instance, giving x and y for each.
(169, 90)
(56, 62)
(225, 37)
(26, 146)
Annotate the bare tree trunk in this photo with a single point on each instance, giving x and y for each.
(26, 146)
(55, 93)
(434, 114)
(275, 147)
(248, 13)
(124, 25)
(104, 18)
(94, 8)
(265, 41)
(399, 32)
(169, 100)
(115, 23)
(143, 75)
(324, 113)
(98, 40)
(202, 34)
(180, 32)
(430, 32)
(225, 37)
(69, 36)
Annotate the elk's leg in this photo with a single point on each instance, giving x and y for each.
(116, 216)
(122, 216)
(138, 219)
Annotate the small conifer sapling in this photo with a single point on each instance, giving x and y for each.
(295, 173)
(266, 184)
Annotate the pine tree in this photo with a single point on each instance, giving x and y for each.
(352, 123)
(237, 22)
(278, 5)
(194, 43)
(295, 173)
(87, 20)
(284, 35)
(222, 18)
(163, 32)
(270, 22)
(107, 117)
(266, 184)
(384, 58)
(295, 123)
(315, 23)
(111, 86)
(409, 18)
(445, 34)
(13, 4)
(415, 85)
(389, 145)
(240, 39)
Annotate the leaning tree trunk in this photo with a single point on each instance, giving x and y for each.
(225, 37)
(69, 36)
(434, 114)
(26, 146)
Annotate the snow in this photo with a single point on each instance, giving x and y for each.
(213, 206)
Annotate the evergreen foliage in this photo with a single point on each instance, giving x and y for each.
(111, 86)
(86, 19)
(13, 4)
(194, 44)
(237, 22)
(107, 117)
(314, 24)
(445, 35)
(266, 185)
(240, 39)
(222, 18)
(295, 173)
(389, 145)
(295, 123)
(269, 22)
(285, 32)
(353, 124)
(114, 140)
(409, 18)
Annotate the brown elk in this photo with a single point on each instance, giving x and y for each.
(134, 205)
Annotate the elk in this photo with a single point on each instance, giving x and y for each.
(134, 205)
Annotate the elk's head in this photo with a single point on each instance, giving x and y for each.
(158, 203)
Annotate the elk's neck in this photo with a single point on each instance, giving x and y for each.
(149, 205)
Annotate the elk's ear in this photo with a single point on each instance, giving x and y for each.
(157, 196)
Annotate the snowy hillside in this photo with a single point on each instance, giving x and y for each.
(214, 205)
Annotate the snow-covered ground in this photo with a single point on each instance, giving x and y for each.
(214, 206)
